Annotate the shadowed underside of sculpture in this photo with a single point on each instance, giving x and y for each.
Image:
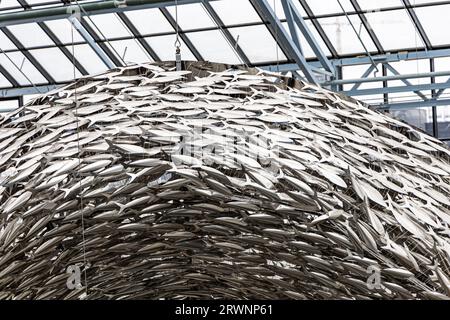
(218, 182)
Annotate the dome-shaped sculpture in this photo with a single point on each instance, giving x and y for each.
(218, 182)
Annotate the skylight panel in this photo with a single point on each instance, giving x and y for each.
(30, 35)
(213, 47)
(149, 21)
(56, 63)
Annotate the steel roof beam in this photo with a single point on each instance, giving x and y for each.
(367, 26)
(183, 36)
(405, 81)
(415, 104)
(396, 89)
(227, 34)
(298, 19)
(417, 24)
(8, 77)
(100, 49)
(18, 92)
(138, 36)
(99, 7)
(63, 49)
(28, 55)
(364, 76)
(394, 77)
(285, 42)
(319, 28)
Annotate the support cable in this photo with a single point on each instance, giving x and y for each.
(79, 163)
(177, 43)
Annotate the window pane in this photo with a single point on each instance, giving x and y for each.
(257, 43)
(3, 82)
(109, 25)
(149, 21)
(5, 4)
(8, 105)
(30, 35)
(307, 50)
(164, 48)
(394, 29)
(378, 4)
(213, 47)
(5, 43)
(329, 6)
(277, 7)
(418, 117)
(88, 59)
(235, 11)
(343, 37)
(27, 68)
(443, 117)
(56, 63)
(435, 21)
(63, 30)
(186, 14)
(130, 51)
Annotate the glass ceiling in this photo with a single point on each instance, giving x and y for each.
(233, 32)
(42, 53)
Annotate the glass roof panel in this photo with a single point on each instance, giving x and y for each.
(56, 63)
(30, 35)
(5, 43)
(378, 4)
(186, 14)
(62, 28)
(307, 51)
(88, 58)
(5, 4)
(394, 29)
(3, 82)
(343, 37)
(434, 20)
(213, 47)
(277, 7)
(164, 47)
(149, 21)
(131, 51)
(109, 24)
(329, 6)
(257, 43)
(235, 11)
(26, 67)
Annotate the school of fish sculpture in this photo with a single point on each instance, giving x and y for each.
(145, 182)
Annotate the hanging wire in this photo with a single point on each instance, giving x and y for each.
(222, 32)
(79, 161)
(276, 36)
(135, 40)
(20, 70)
(177, 43)
(359, 37)
(99, 31)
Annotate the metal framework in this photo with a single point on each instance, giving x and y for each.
(296, 30)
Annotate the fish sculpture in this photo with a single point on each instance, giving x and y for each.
(218, 182)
